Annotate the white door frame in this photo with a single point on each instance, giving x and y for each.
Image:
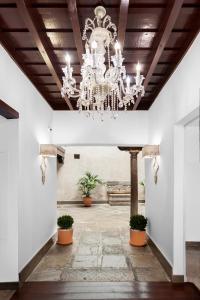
(179, 255)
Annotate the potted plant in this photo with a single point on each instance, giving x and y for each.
(65, 230)
(138, 225)
(86, 184)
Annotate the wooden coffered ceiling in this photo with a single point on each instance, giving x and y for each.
(38, 33)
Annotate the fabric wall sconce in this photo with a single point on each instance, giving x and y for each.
(152, 151)
(46, 150)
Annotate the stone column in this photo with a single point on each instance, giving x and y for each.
(134, 182)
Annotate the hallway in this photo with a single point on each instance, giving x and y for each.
(100, 251)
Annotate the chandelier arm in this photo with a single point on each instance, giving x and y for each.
(89, 25)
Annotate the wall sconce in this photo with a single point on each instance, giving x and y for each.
(152, 151)
(46, 150)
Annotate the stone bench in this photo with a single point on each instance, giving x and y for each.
(119, 193)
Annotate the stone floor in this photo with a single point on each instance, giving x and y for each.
(193, 264)
(101, 250)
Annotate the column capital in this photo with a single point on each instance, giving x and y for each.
(134, 153)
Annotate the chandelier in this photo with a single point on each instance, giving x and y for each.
(104, 85)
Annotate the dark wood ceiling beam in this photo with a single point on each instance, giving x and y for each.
(167, 63)
(32, 20)
(155, 30)
(72, 49)
(7, 111)
(18, 58)
(73, 14)
(123, 16)
(47, 83)
(48, 74)
(52, 48)
(195, 24)
(161, 41)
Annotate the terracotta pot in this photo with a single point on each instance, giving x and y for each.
(138, 238)
(65, 236)
(87, 201)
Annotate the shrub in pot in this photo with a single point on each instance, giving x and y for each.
(138, 235)
(65, 230)
(86, 184)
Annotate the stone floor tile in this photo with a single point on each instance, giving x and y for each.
(97, 275)
(54, 262)
(111, 234)
(83, 261)
(114, 261)
(59, 249)
(88, 249)
(112, 249)
(90, 238)
(110, 241)
(47, 275)
(144, 261)
(150, 274)
(6, 294)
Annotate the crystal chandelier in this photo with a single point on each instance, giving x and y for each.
(104, 85)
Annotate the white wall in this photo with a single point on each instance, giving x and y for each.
(178, 98)
(8, 200)
(73, 128)
(36, 203)
(191, 183)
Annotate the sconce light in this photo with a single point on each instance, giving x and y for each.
(46, 150)
(152, 151)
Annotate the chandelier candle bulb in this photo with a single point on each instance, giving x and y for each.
(117, 48)
(94, 47)
(128, 83)
(138, 69)
(67, 58)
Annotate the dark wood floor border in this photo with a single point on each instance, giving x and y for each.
(163, 261)
(26, 271)
(191, 244)
(9, 285)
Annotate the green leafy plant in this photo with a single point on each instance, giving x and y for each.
(142, 183)
(65, 222)
(138, 222)
(87, 183)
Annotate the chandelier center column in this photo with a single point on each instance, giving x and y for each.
(134, 182)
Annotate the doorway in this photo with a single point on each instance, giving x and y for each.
(191, 201)
(186, 194)
(101, 250)
(8, 200)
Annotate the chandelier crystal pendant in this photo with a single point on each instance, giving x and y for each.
(104, 85)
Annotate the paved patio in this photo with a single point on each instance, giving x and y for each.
(101, 250)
